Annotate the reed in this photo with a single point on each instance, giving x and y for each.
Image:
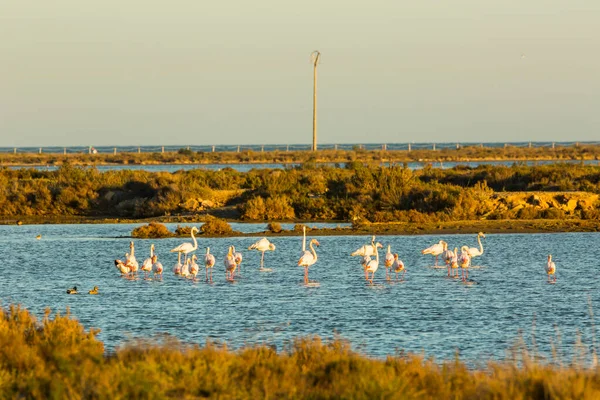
(58, 358)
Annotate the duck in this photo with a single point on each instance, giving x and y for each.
(72, 291)
(94, 290)
(38, 237)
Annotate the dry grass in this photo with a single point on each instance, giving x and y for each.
(57, 358)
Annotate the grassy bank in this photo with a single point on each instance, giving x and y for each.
(57, 358)
(363, 194)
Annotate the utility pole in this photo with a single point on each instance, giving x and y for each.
(315, 59)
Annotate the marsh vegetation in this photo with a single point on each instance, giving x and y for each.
(58, 358)
(360, 193)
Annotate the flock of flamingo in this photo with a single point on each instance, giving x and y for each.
(233, 260)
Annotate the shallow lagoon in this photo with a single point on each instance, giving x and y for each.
(427, 313)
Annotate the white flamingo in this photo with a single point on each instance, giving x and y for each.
(237, 256)
(187, 247)
(230, 264)
(307, 258)
(447, 255)
(464, 260)
(209, 263)
(262, 245)
(551, 269)
(366, 250)
(131, 261)
(157, 267)
(454, 263)
(477, 251)
(178, 266)
(185, 269)
(147, 264)
(435, 250)
(364, 261)
(398, 266)
(122, 267)
(194, 267)
(389, 260)
(373, 265)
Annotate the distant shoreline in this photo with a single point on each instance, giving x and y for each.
(404, 228)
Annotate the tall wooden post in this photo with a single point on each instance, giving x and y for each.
(315, 58)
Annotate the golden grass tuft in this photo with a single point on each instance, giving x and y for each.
(58, 358)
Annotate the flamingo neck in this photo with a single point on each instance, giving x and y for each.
(303, 238)
(312, 250)
(151, 251)
(376, 255)
(194, 239)
(480, 245)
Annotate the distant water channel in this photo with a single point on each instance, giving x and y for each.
(427, 313)
(248, 167)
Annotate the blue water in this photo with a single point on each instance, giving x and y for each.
(427, 313)
(248, 167)
(280, 147)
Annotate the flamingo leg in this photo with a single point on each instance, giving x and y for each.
(262, 260)
(436, 259)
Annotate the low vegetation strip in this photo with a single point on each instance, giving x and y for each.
(185, 156)
(359, 193)
(58, 358)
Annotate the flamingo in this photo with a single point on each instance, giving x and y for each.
(209, 263)
(464, 260)
(122, 267)
(237, 256)
(366, 250)
(194, 267)
(187, 247)
(551, 269)
(374, 264)
(307, 258)
(262, 245)
(435, 250)
(157, 266)
(398, 266)
(178, 266)
(454, 262)
(230, 264)
(447, 257)
(185, 269)
(474, 251)
(364, 261)
(389, 260)
(130, 260)
(147, 264)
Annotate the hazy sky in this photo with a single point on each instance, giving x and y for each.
(135, 72)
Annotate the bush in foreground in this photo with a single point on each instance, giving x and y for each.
(58, 358)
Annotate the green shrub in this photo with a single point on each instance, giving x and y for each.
(216, 226)
(274, 227)
(152, 230)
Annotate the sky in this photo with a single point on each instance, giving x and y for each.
(146, 72)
